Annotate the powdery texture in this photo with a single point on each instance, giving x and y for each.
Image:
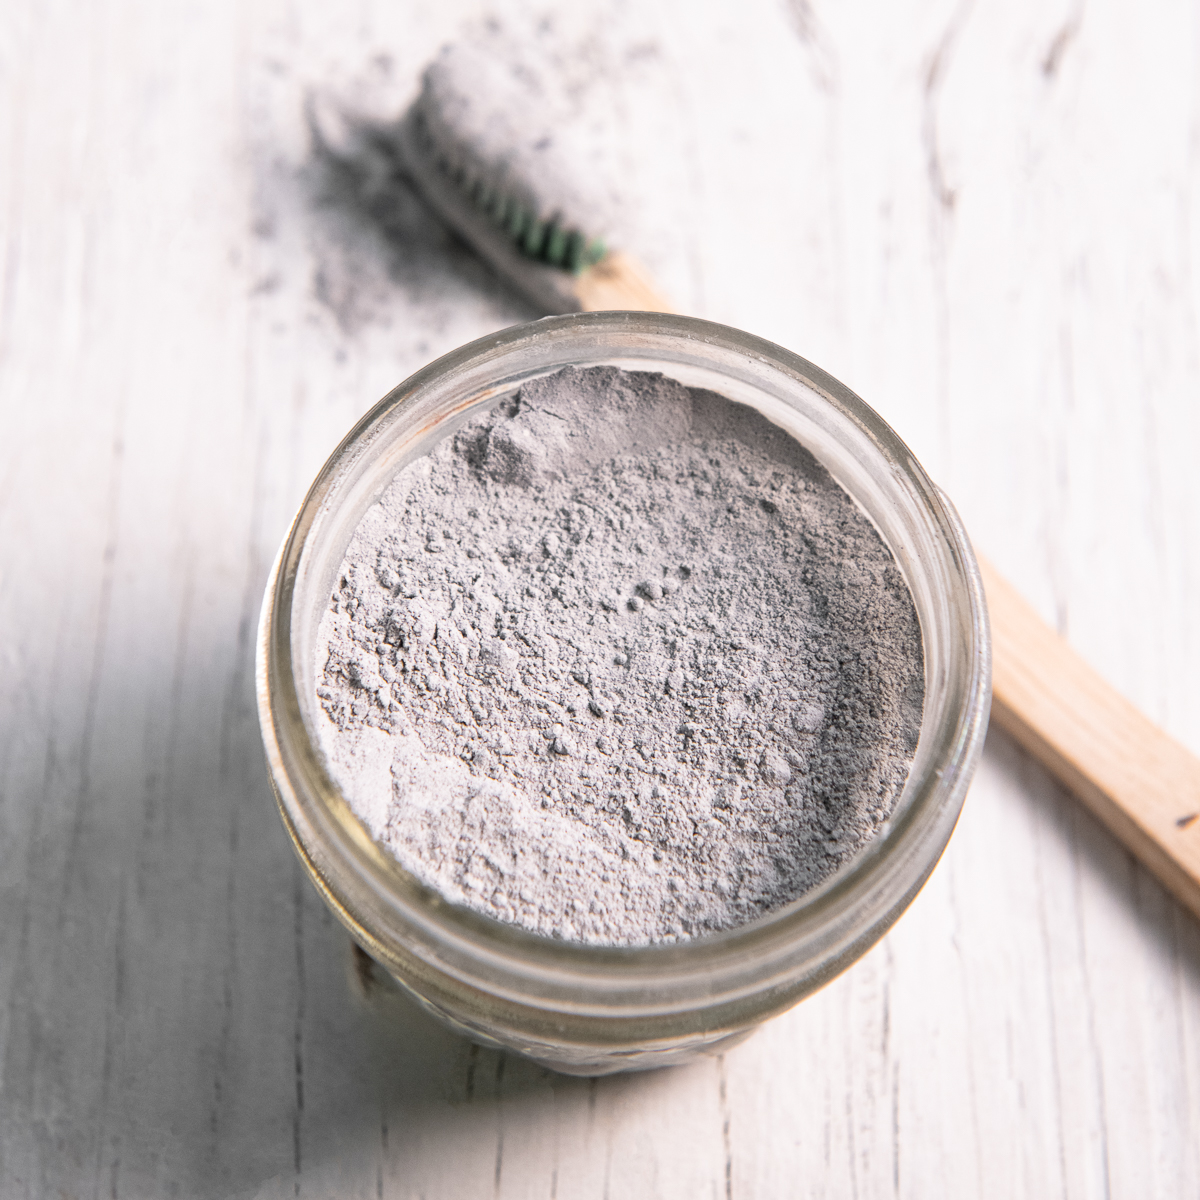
(620, 663)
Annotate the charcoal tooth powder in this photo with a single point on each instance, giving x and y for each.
(620, 663)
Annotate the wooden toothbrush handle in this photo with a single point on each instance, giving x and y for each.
(1141, 783)
(618, 280)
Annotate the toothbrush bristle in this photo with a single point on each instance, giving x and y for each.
(555, 247)
(452, 136)
(535, 239)
(541, 239)
(574, 253)
(518, 218)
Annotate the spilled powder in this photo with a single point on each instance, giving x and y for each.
(620, 663)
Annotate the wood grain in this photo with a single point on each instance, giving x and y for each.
(980, 216)
(1141, 783)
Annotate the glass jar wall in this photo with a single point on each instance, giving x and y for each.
(587, 1009)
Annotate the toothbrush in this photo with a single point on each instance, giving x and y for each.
(475, 163)
(477, 145)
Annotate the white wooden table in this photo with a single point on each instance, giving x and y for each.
(984, 217)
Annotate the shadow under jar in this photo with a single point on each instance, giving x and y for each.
(586, 1009)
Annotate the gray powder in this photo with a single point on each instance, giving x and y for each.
(619, 663)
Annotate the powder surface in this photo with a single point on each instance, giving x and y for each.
(621, 663)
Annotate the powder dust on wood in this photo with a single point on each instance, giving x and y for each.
(620, 663)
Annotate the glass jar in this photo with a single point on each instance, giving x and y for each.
(585, 1009)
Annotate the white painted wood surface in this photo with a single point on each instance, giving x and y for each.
(982, 216)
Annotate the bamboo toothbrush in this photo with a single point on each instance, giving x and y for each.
(505, 177)
(480, 147)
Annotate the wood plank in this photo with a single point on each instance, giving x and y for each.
(978, 216)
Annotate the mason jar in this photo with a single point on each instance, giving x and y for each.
(587, 1009)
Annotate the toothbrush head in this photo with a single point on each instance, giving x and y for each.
(508, 158)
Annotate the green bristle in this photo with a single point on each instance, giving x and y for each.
(518, 219)
(535, 238)
(546, 241)
(556, 244)
(574, 256)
